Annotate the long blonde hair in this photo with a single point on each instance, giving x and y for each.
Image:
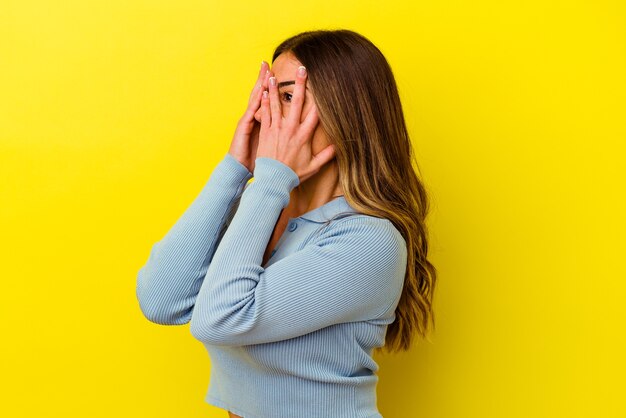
(360, 111)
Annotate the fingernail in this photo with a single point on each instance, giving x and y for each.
(262, 62)
(301, 70)
(265, 94)
(273, 81)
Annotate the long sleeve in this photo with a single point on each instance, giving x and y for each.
(353, 271)
(168, 284)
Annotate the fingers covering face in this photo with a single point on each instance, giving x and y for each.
(297, 100)
(258, 86)
(271, 108)
(311, 120)
(257, 91)
(275, 108)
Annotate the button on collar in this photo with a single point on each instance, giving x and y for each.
(292, 226)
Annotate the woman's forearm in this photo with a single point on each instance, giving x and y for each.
(353, 270)
(168, 284)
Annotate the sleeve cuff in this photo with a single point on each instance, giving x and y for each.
(270, 171)
(230, 172)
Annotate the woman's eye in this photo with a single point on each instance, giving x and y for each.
(287, 96)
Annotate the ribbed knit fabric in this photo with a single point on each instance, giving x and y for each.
(293, 338)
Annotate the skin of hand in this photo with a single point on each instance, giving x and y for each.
(246, 138)
(289, 139)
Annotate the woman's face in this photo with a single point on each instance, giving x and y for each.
(284, 69)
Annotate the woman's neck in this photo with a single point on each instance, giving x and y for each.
(316, 191)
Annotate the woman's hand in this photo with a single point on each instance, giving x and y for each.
(286, 139)
(246, 139)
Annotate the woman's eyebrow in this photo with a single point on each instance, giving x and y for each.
(286, 83)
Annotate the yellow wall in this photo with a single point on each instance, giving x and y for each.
(113, 114)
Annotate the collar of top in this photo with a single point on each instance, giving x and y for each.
(334, 207)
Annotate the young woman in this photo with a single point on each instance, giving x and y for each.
(292, 281)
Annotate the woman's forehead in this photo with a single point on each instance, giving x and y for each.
(286, 65)
(284, 68)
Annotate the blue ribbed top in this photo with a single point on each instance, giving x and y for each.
(292, 338)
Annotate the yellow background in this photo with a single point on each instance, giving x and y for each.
(114, 113)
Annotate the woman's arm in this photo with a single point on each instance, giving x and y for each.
(353, 271)
(168, 284)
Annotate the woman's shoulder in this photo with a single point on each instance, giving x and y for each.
(367, 229)
(342, 216)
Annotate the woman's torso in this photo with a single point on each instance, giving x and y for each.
(279, 229)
